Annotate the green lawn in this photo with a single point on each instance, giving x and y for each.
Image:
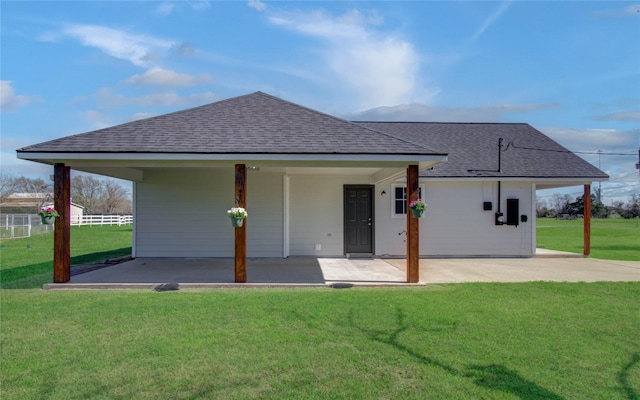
(611, 238)
(492, 341)
(28, 262)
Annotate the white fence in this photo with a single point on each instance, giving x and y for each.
(22, 225)
(102, 220)
(26, 225)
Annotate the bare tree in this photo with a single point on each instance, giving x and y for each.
(115, 198)
(560, 203)
(23, 184)
(36, 187)
(95, 195)
(87, 191)
(100, 195)
(632, 208)
(542, 210)
(6, 186)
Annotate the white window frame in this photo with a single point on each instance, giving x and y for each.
(421, 193)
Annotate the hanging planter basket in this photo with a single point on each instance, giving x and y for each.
(47, 220)
(417, 208)
(237, 215)
(237, 222)
(48, 215)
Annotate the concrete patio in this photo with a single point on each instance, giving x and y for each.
(307, 271)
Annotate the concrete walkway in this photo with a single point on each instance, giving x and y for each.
(294, 271)
(555, 269)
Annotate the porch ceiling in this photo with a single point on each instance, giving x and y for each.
(133, 169)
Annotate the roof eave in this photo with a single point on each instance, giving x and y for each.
(562, 180)
(424, 160)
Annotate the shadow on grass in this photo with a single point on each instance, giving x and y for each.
(13, 274)
(30, 282)
(391, 338)
(498, 377)
(494, 377)
(623, 377)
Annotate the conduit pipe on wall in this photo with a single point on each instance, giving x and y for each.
(499, 214)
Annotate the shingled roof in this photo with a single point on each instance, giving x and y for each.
(256, 123)
(473, 150)
(261, 126)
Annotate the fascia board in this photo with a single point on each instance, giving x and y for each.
(144, 159)
(577, 180)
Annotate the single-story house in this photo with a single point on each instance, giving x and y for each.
(30, 203)
(492, 169)
(24, 203)
(316, 185)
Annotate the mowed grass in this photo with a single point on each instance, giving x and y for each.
(611, 238)
(491, 341)
(28, 262)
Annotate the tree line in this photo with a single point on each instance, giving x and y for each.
(97, 196)
(566, 206)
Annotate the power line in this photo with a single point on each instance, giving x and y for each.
(511, 144)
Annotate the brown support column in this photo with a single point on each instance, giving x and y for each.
(62, 227)
(413, 242)
(587, 220)
(241, 232)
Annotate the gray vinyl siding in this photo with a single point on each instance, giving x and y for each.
(317, 213)
(183, 213)
(455, 224)
(265, 208)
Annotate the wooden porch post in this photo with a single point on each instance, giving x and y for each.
(413, 242)
(241, 232)
(62, 227)
(587, 220)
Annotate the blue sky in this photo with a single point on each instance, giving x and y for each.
(569, 68)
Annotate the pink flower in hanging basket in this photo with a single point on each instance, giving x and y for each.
(48, 212)
(417, 205)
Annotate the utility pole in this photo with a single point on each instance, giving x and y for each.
(638, 163)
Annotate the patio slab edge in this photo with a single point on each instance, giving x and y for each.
(154, 286)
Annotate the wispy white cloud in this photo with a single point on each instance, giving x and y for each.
(169, 7)
(633, 9)
(107, 99)
(97, 119)
(164, 77)
(138, 49)
(184, 49)
(422, 113)
(490, 20)
(377, 67)
(628, 11)
(258, 5)
(12, 166)
(165, 8)
(630, 115)
(9, 100)
(614, 144)
(200, 5)
(138, 116)
(593, 139)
